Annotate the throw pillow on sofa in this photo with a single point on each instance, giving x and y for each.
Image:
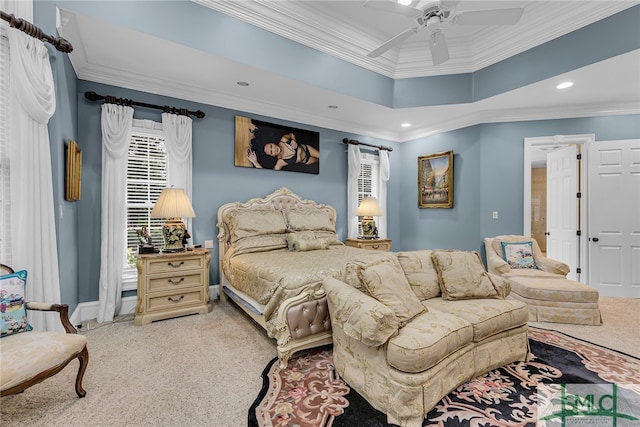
(421, 273)
(12, 304)
(462, 275)
(386, 282)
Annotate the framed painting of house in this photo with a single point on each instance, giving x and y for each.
(265, 145)
(435, 180)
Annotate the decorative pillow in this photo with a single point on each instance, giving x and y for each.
(305, 241)
(12, 304)
(267, 242)
(518, 254)
(462, 275)
(385, 281)
(243, 223)
(309, 219)
(421, 273)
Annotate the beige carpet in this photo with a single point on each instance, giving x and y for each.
(204, 370)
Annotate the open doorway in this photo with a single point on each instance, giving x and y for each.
(540, 201)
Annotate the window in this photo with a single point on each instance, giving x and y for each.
(367, 180)
(146, 177)
(5, 202)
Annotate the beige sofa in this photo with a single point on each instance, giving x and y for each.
(541, 283)
(409, 330)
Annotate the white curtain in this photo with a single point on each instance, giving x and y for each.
(385, 173)
(177, 130)
(33, 102)
(117, 121)
(352, 189)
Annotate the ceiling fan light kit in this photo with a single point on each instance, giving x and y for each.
(430, 15)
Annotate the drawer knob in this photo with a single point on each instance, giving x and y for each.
(175, 300)
(171, 264)
(375, 246)
(173, 282)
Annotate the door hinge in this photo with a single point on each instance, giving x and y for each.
(578, 270)
(579, 195)
(579, 156)
(579, 232)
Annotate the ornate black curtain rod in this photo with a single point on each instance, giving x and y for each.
(27, 27)
(356, 142)
(92, 96)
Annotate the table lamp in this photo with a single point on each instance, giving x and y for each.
(368, 209)
(173, 204)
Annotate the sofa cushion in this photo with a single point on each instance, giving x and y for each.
(559, 290)
(360, 316)
(532, 272)
(462, 275)
(13, 311)
(421, 273)
(487, 316)
(26, 355)
(426, 340)
(386, 282)
(518, 254)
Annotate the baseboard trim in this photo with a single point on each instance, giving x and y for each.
(89, 310)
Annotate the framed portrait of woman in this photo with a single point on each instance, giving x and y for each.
(265, 145)
(435, 180)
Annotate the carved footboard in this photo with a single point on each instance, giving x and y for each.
(302, 322)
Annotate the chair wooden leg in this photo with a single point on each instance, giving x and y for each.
(83, 358)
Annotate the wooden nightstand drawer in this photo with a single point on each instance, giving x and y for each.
(174, 282)
(177, 300)
(372, 244)
(157, 266)
(171, 285)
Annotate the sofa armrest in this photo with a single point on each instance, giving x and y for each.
(358, 315)
(552, 266)
(500, 284)
(63, 309)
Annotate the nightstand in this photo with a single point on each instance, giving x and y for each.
(373, 244)
(172, 284)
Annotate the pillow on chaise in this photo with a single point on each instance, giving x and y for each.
(518, 254)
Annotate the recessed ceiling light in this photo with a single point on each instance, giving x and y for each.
(564, 85)
(333, 107)
(406, 125)
(242, 84)
(405, 2)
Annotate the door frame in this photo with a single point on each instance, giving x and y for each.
(583, 141)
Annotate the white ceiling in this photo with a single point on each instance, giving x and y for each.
(122, 57)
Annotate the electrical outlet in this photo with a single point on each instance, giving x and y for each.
(495, 214)
(208, 244)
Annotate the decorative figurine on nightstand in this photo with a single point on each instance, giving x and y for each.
(146, 242)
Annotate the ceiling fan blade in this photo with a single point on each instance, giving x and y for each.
(449, 4)
(438, 46)
(488, 17)
(393, 7)
(393, 42)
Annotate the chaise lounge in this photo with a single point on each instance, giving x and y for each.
(409, 330)
(541, 282)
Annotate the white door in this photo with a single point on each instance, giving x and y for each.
(614, 217)
(562, 207)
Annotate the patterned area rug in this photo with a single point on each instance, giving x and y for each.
(309, 393)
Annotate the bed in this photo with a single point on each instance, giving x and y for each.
(274, 253)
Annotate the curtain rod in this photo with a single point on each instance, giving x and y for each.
(123, 101)
(27, 27)
(356, 142)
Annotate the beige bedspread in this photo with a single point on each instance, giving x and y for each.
(270, 277)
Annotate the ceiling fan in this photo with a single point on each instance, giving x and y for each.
(430, 15)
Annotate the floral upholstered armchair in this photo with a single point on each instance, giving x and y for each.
(29, 357)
